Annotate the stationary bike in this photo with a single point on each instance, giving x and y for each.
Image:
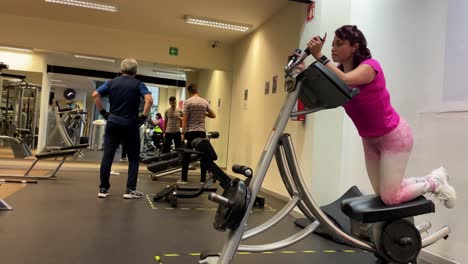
(387, 231)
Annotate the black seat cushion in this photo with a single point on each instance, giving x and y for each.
(79, 146)
(55, 154)
(371, 209)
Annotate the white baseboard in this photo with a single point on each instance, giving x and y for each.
(434, 258)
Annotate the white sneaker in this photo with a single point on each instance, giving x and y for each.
(123, 159)
(103, 193)
(444, 191)
(133, 194)
(180, 181)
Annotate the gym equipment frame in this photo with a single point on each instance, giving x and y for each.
(391, 234)
(64, 154)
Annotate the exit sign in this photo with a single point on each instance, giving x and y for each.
(173, 51)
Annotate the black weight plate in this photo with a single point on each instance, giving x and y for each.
(223, 212)
(401, 241)
(164, 192)
(173, 199)
(229, 216)
(242, 202)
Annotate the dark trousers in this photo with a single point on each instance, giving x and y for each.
(157, 140)
(124, 152)
(129, 137)
(168, 141)
(190, 136)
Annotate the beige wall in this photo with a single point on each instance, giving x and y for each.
(91, 40)
(214, 86)
(257, 59)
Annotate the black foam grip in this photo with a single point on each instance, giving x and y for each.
(213, 134)
(241, 169)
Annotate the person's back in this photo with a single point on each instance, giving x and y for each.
(122, 126)
(371, 110)
(124, 96)
(196, 109)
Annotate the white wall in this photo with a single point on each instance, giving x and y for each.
(415, 80)
(408, 38)
(323, 134)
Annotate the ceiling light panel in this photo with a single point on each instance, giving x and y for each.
(93, 58)
(16, 49)
(86, 4)
(217, 23)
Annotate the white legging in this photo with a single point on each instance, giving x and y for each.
(386, 160)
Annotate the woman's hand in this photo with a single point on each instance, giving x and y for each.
(315, 46)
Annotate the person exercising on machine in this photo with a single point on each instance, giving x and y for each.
(386, 137)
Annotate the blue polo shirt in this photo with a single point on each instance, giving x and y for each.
(124, 93)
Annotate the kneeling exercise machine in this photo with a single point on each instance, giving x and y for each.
(387, 231)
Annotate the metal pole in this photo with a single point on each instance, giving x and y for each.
(235, 236)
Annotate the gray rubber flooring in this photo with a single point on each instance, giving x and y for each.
(63, 221)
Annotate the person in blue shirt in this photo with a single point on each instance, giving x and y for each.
(123, 121)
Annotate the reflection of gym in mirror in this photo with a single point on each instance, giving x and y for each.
(73, 119)
(19, 112)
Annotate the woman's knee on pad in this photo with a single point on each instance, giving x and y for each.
(390, 197)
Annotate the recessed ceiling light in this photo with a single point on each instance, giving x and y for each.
(16, 49)
(217, 23)
(56, 80)
(86, 4)
(59, 85)
(93, 58)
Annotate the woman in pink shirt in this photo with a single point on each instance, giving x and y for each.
(386, 137)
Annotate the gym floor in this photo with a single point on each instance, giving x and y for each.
(63, 221)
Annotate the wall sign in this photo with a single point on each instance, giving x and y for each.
(173, 51)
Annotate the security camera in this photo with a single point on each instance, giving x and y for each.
(215, 44)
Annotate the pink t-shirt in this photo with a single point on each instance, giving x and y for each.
(371, 110)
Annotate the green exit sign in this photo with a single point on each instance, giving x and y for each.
(173, 51)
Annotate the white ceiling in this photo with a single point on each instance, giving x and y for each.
(161, 17)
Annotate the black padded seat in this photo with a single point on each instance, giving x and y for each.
(371, 209)
(164, 156)
(55, 154)
(79, 146)
(164, 165)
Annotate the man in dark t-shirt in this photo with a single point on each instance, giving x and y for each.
(123, 122)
